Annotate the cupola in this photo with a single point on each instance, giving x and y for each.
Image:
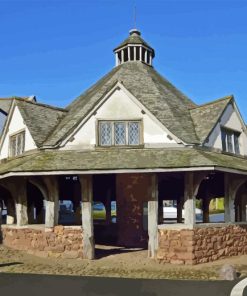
(134, 48)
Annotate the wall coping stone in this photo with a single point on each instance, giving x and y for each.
(180, 226)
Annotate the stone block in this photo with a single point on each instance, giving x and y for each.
(227, 272)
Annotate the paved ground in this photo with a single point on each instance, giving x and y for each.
(27, 284)
(123, 263)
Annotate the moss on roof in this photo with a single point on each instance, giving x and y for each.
(121, 159)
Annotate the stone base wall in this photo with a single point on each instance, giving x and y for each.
(200, 245)
(60, 241)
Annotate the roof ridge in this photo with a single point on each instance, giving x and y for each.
(213, 102)
(41, 105)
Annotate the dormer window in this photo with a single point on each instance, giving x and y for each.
(17, 144)
(230, 140)
(119, 133)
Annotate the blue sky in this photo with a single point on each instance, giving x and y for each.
(56, 49)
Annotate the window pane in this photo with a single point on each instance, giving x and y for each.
(229, 142)
(134, 133)
(105, 133)
(120, 133)
(236, 144)
(19, 139)
(13, 146)
(223, 138)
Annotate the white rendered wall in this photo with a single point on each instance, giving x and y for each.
(120, 107)
(229, 119)
(17, 124)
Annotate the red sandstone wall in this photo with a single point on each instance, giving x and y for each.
(131, 193)
(59, 241)
(201, 244)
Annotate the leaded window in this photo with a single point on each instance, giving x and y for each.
(119, 133)
(17, 143)
(230, 140)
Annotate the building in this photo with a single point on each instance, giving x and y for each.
(135, 139)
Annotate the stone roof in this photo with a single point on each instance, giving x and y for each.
(112, 159)
(134, 38)
(159, 96)
(5, 103)
(40, 119)
(206, 116)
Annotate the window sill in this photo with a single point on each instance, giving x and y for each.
(119, 147)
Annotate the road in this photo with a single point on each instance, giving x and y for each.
(27, 284)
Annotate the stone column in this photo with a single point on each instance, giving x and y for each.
(134, 53)
(87, 216)
(140, 53)
(21, 203)
(128, 53)
(189, 204)
(150, 59)
(153, 218)
(52, 203)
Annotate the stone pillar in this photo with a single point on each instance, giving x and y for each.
(87, 216)
(140, 53)
(150, 59)
(153, 218)
(21, 203)
(128, 53)
(52, 203)
(189, 204)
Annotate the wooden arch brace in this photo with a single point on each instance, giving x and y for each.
(18, 189)
(232, 184)
(192, 182)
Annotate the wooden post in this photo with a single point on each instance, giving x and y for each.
(52, 203)
(87, 216)
(153, 218)
(189, 204)
(180, 210)
(21, 204)
(229, 200)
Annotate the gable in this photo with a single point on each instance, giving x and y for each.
(15, 124)
(230, 119)
(158, 95)
(120, 105)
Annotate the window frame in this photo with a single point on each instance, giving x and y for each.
(16, 135)
(229, 138)
(113, 143)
